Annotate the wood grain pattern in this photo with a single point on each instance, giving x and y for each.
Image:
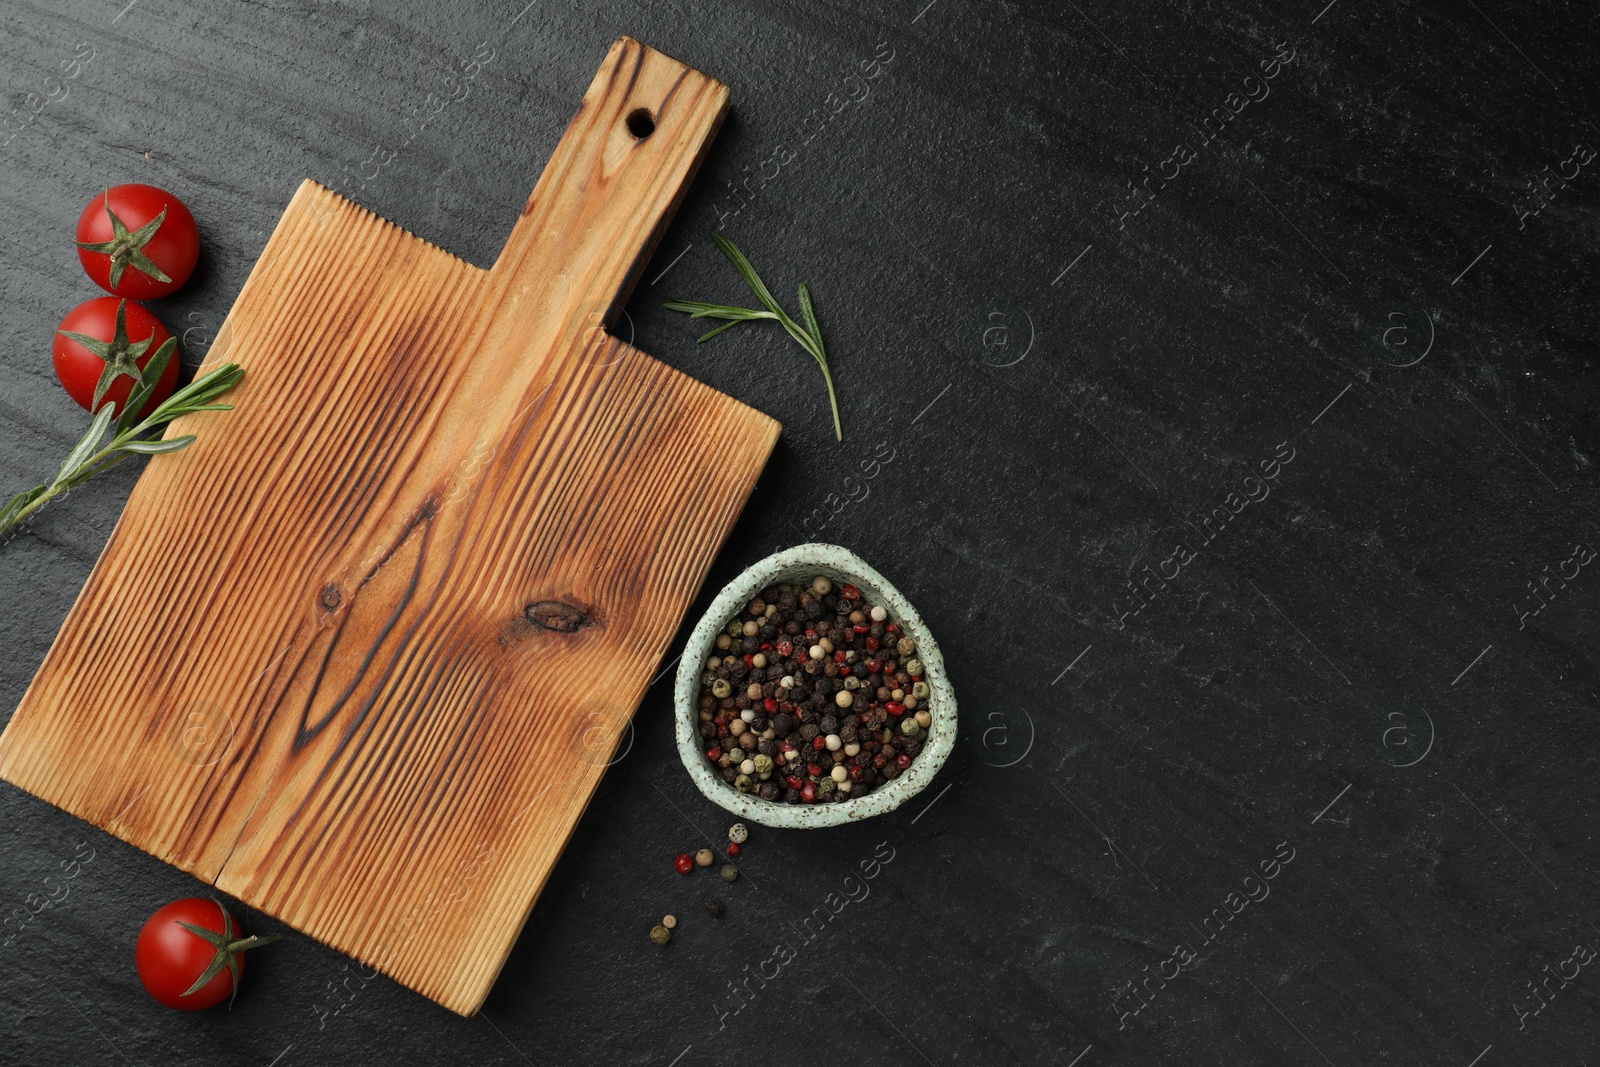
(359, 655)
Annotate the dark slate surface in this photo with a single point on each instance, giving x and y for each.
(1063, 371)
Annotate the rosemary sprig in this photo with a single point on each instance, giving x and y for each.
(89, 457)
(808, 336)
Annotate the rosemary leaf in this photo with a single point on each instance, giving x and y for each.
(14, 506)
(148, 378)
(87, 444)
(810, 317)
(157, 448)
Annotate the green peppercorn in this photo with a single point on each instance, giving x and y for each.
(744, 783)
(729, 872)
(913, 666)
(920, 690)
(763, 764)
(660, 934)
(910, 728)
(906, 646)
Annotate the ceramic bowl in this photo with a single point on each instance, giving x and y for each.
(802, 563)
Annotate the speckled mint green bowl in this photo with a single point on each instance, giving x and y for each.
(802, 563)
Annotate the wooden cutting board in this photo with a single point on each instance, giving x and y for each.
(360, 655)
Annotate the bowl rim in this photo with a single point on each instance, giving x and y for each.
(841, 565)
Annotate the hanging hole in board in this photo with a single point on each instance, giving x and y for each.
(641, 123)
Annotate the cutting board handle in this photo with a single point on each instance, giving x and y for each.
(613, 183)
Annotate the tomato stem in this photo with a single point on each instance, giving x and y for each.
(227, 951)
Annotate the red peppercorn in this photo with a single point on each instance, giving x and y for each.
(902, 761)
(722, 731)
(770, 704)
(876, 667)
(733, 846)
(872, 644)
(814, 770)
(684, 863)
(808, 793)
(857, 773)
(785, 647)
(750, 659)
(821, 742)
(850, 592)
(714, 755)
(839, 656)
(784, 746)
(891, 629)
(879, 760)
(862, 628)
(895, 708)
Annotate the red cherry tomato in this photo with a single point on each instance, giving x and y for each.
(137, 241)
(99, 349)
(181, 942)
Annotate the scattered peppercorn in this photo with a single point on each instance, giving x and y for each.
(738, 834)
(733, 850)
(823, 681)
(660, 935)
(684, 863)
(714, 908)
(669, 921)
(705, 857)
(729, 872)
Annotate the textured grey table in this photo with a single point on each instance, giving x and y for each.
(1225, 376)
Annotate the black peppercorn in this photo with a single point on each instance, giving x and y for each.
(809, 731)
(729, 774)
(769, 790)
(783, 724)
(829, 724)
(714, 908)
